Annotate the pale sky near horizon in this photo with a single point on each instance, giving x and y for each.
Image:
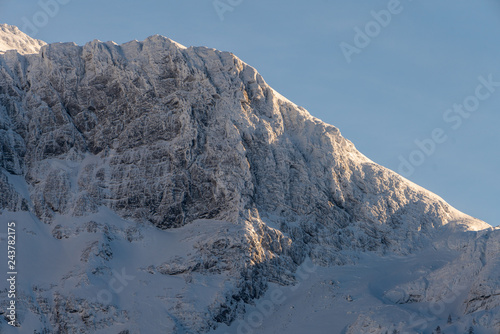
(405, 74)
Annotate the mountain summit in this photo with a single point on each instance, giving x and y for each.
(175, 190)
(11, 38)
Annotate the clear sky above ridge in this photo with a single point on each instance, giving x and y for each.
(414, 84)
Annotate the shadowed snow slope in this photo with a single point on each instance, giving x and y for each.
(164, 189)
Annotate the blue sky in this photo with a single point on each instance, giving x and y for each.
(394, 91)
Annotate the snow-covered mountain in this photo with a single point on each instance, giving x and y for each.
(11, 38)
(164, 189)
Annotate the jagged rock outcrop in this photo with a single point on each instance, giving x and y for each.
(162, 133)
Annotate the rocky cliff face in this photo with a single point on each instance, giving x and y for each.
(173, 137)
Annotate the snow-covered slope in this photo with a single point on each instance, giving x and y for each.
(164, 189)
(11, 38)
